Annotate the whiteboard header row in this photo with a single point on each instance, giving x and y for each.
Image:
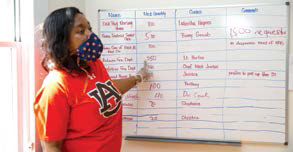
(194, 12)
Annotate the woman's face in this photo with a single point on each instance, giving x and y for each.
(80, 33)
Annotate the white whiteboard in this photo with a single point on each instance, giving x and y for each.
(218, 73)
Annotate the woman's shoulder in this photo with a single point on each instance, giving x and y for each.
(56, 78)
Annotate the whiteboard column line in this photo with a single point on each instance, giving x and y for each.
(135, 29)
(287, 76)
(176, 70)
(225, 85)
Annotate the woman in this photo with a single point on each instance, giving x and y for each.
(78, 108)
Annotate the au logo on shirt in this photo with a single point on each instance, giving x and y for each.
(102, 94)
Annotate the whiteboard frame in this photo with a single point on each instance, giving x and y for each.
(201, 6)
(287, 3)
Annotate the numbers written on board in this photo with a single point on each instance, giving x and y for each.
(154, 86)
(153, 118)
(152, 103)
(158, 95)
(151, 58)
(243, 31)
(149, 36)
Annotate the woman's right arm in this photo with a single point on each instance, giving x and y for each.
(126, 84)
(54, 146)
(52, 111)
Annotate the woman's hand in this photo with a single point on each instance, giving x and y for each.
(52, 146)
(143, 74)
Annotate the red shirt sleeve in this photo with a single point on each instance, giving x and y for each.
(52, 111)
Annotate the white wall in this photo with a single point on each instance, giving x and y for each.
(55, 4)
(91, 8)
(41, 11)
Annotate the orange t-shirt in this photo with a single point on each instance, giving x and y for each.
(84, 113)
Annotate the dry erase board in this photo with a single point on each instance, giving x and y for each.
(219, 73)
